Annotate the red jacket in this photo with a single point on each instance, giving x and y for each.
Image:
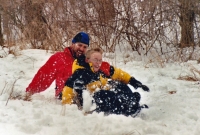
(58, 68)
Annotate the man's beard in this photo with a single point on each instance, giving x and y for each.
(79, 53)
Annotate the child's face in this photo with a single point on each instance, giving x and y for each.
(96, 60)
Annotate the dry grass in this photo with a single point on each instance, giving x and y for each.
(12, 95)
(4, 88)
(194, 77)
(21, 97)
(11, 90)
(52, 24)
(188, 78)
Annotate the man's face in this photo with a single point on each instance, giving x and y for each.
(79, 48)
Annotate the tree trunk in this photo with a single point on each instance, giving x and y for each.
(1, 33)
(187, 17)
(35, 23)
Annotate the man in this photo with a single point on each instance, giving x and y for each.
(59, 66)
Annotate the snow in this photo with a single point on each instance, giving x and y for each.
(173, 103)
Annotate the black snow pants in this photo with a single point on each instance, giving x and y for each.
(119, 100)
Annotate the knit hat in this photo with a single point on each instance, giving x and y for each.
(81, 37)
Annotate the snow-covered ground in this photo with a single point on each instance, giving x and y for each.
(174, 104)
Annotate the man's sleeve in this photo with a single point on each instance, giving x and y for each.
(44, 77)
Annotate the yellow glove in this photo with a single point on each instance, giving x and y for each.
(102, 84)
(67, 95)
(93, 86)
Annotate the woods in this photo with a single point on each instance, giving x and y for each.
(142, 26)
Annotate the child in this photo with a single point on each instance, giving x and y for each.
(113, 97)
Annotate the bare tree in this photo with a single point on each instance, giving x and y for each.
(1, 32)
(187, 17)
(142, 25)
(35, 22)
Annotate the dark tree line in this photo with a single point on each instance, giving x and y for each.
(50, 24)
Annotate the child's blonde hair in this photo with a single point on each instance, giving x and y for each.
(91, 51)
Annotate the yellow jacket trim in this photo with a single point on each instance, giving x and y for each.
(121, 76)
(67, 95)
(75, 66)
